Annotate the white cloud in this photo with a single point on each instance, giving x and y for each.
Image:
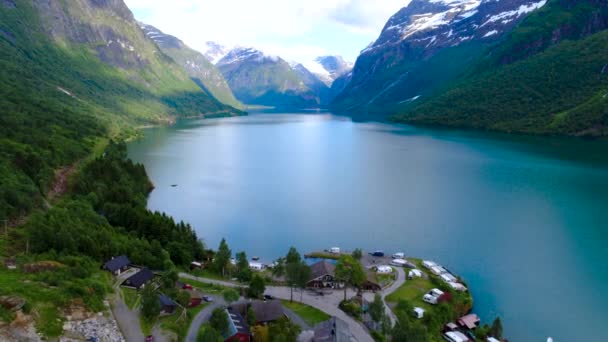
(293, 29)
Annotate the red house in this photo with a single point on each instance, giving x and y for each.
(238, 329)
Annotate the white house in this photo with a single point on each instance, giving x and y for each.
(256, 266)
(428, 264)
(399, 262)
(384, 269)
(334, 250)
(415, 273)
(418, 312)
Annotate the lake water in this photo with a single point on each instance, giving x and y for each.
(523, 219)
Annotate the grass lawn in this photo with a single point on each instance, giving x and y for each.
(179, 325)
(412, 291)
(208, 274)
(131, 297)
(204, 287)
(310, 315)
(323, 255)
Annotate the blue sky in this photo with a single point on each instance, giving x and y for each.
(297, 30)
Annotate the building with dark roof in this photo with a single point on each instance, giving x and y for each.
(238, 330)
(322, 275)
(167, 305)
(332, 330)
(371, 282)
(139, 279)
(265, 311)
(117, 265)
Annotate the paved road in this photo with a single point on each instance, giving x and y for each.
(327, 303)
(385, 292)
(128, 321)
(202, 317)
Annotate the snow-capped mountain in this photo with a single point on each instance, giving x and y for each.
(425, 44)
(440, 23)
(328, 68)
(214, 51)
(257, 78)
(198, 67)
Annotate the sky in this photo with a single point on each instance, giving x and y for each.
(296, 30)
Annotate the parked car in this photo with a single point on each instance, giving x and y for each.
(268, 297)
(208, 299)
(187, 287)
(149, 338)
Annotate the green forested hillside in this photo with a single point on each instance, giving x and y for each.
(65, 85)
(550, 76)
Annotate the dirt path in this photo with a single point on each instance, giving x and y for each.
(61, 181)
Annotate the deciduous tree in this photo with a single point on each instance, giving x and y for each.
(350, 272)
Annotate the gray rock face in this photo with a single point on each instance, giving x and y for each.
(100, 327)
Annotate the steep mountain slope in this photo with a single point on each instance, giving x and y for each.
(72, 73)
(202, 72)
(550, 76)
(258, 79)
(424, 45)
(314, 82)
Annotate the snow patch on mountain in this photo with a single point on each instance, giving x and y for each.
(214, 51)
(508, 15)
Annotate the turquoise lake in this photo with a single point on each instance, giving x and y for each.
(524, 220)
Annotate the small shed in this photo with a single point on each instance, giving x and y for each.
(117, 265)
(167, 305)
(418, 312)
(196, 265)
(139, 279)
(470, 321)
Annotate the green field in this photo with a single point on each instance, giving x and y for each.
(310, 315)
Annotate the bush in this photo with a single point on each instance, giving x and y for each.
(351, 308)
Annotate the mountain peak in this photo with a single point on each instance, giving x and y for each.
(214, 51)
(443, 23)
(249, 54)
